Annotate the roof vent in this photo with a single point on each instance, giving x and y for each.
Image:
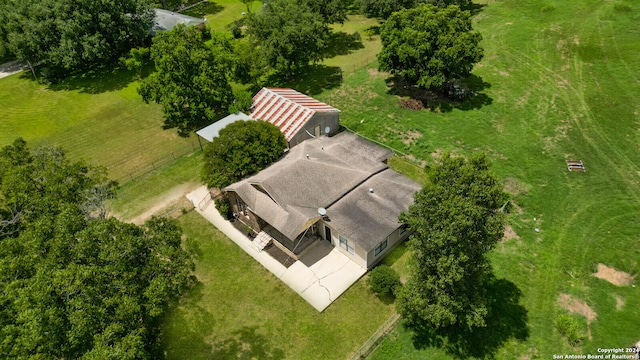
(371, 190)
(307, 156)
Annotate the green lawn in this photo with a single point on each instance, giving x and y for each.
(242, 311)
(98, 117)
(559, 81)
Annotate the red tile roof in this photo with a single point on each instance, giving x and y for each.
(286, 108)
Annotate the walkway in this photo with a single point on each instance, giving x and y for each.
(320, 276)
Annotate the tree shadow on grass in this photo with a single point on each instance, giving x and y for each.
(439, 100)
(206, 8)
(474, 8)
(506, 320)
(311, 80)
(246, 343)
(186, 326)
(99, 80)
(341, 43)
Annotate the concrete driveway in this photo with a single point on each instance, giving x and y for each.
(320, 276)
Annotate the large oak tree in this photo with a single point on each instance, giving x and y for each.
(289, 35)
(429, 46)
(456, 221)
(191, 78)
(75, 284)
(73, 34)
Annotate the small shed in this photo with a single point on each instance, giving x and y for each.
(212, 131)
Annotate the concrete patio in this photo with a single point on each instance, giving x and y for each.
(320, 276)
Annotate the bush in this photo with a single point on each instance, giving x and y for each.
(236, 31)
(224, 208)
(383, 280)
(569, 328)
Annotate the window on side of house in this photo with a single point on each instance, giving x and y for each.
(403, 229)
(242, 208)
(381, 247)
(347, 245)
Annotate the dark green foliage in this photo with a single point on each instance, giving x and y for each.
(136, 59)
(384, 8)
(190, 81)
(569, 328)
(332, 11)
(429, 46)
(243, 148)
(73, 34)
(289, 35)
(242, 102)
(383, 280)
(445, 3)
(456, 223)
(77, 285)
(236, 31)
(224, 208)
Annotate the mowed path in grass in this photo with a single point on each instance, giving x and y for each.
(559, 81)
(99, 118)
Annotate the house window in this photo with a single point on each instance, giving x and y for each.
(381, 247)
(347, 245)
(403, 229)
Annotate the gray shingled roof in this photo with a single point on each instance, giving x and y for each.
(166, 20)
(288, 193)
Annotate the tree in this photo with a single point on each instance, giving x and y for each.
(456, 221)
(242, 149)
(332, 11)
(445, 3)
(383, 280)
(428, 46)
(190, 81)
(77, 285)
(289, 35)
(69, 35)
(384, 8)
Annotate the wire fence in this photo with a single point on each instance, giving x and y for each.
(135, 171)
(367, 348)
(355, 66)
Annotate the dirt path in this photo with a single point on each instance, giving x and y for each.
(165, 202)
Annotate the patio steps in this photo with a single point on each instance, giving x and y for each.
(261, 241)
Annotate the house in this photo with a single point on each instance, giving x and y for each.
(337, 189)
(298, 116)
(165, 20)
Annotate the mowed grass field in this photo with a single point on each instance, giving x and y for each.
(98, 117)
(559, 80)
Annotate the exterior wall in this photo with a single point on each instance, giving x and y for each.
(359, 256)
(394, 239)
(322, 119)
(250, 219)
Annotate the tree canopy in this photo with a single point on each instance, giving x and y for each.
(242, 149)
(429, 46)
(383, 8)
(190, 81)
(456, 221)
(289, 35)
(332, 11)
(76, 284)
(73, 34)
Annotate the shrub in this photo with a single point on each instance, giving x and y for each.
(236, 31)
(383, 280)
(569, 328)
(224, 208)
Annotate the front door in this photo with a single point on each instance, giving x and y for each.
(316, 131)
(327, 233)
